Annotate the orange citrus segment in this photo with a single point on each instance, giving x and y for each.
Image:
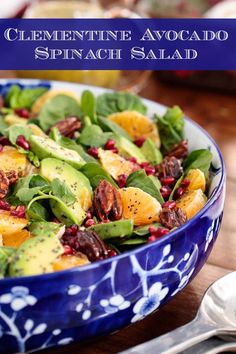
(12, 159)
(67, 262)
(40, 102)
(139, 206)
(136, 125)
(115, 164)
(85, 198)
(11, 224)
(15, 239)
(191, 202)
(197, 180)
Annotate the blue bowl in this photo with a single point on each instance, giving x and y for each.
(57, 308)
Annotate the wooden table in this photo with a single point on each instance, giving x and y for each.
(216, 113)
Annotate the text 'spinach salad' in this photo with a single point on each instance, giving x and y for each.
(83, 179)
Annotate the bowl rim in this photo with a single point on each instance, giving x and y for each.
(92, 266)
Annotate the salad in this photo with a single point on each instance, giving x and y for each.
(83, 178)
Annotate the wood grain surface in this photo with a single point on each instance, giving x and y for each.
(216, 113)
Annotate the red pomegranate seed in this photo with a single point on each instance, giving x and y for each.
(68, 250)
(110, 144)
(89, 215)
(1, 148)
(144, 164)
(152, 229)
(22, 112)
(89, 223)
(165, 191)
(19, 211)
(4, 141)
(22, 142)
(179, 192)
(185, 183)
(171, 204)
(157, 233)
(132, 159)
(72, 230)
(151, 239)
(4, 205)
(166, 181)
(93, 151)
(111, 253)
(140, 141)
(122, 180)
(150, 170)
(114, 150)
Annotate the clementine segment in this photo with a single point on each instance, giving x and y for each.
(67, 262)
(139, 206)
(197, 180)
(11, 224)
(191, 202)
(136, 125)
(15, 239)
(12, 159)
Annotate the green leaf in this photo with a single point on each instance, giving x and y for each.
(133, 241)
(6, 254)
(95, 173)
(3, 126)
(60, 190)
(27, 187)
(108, 125)
(38, 212)
(171, 127)
(139, 179)
(23, 98)
(58, 108)
(177, 185)
(143, 230)
(200, 159)
(109, 103)
(92, 135)
(17, 129)
(88, 105)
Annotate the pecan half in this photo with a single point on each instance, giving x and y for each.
(171, 218)
(68, 126)
(171, 166)
(179, 150)
(4, 184)
(107, 202)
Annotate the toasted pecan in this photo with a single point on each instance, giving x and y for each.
(68, 126)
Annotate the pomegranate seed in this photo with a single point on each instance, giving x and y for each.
(89, 223)
(169, 205)
(165, 191)
(4, 205)
(132, 159)
(144, 164)
(185, 183)
(122, 180)
(151, 239)
(19, 211)
(110, 144)
(149, 170)
(72, 230)
(68, 250)
(93, 151)
(115, 150)
(157, 233)
(179, 192)
(140, 141)
(22, 142)
(22, 112)
(89, 215)
(1, 148)
(111, 253)
(152, 229)
(166, 181)
(4, 141)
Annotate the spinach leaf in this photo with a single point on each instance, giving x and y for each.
(23, 98)
(60, 190)
(108, 125)
(92, 135)
(177, 185)
(38, 212)
(6, 254)
(139, 179)
(3, 126)
(17, 129)
(58, 108)
(109, 103)
(27, 187)
(143, 230)
(95, 173)
(88, 105)
(133, 241)
(171, 127)
(200, 159)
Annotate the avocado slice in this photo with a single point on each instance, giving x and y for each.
(35, 256)
(12, 119)
(68, 214)
(45, 147)
(114, 229)
(6, 254)
(150, 151)
(129, 149)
